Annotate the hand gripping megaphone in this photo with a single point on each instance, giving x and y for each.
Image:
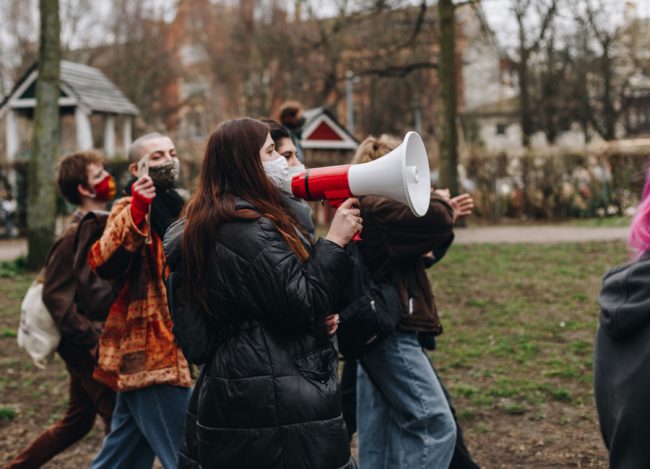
(401, 175)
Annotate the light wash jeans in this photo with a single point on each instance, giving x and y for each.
(403, 418)
(146, 423)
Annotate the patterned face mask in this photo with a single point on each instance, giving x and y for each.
(105, 189)
(165, 175)
(278, 172)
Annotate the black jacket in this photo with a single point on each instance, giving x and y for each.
(622, 364)
(268, 396)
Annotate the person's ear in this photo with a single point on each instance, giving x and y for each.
(84, 191)
(133, 169)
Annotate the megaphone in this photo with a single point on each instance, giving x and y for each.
(401, 175)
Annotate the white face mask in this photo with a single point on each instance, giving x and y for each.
(295, 170)
(278, 171)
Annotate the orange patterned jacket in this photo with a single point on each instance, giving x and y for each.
(137, 347)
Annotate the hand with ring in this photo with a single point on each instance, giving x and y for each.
(347, 221)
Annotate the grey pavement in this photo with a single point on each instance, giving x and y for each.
(538, 234)
(12, 248)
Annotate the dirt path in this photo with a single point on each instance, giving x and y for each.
(543, 234)
(12, 248)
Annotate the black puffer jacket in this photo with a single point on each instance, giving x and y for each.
(622, 364)
(268, 396)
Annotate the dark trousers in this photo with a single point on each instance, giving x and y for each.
(87, 399)
(349, 395)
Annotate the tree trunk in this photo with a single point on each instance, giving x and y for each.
(41, 206)
(447, 132)
(524, 98)
(609, 111)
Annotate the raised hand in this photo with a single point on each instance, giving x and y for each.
(462, 205)
(143, 192)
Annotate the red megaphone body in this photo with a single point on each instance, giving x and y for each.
(402, 175)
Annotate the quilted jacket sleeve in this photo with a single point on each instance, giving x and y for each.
(111, 255)
(292, 292)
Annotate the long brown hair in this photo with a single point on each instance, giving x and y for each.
(231, 168)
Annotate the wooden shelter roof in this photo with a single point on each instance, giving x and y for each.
(83, 86)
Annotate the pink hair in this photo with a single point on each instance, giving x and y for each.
(640, 229)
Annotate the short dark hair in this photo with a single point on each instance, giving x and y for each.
(135, 149)
(277, 131)
(73, 170)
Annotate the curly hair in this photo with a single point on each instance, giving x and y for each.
(372, 148)
(72, 171)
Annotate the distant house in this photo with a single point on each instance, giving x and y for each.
(91, 107)
(494, 123)
(637, 106)
(497, 129)
(325, 140)
(497, 124)
(94, 114)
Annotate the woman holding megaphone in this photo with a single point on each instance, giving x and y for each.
(404, 419)
(269, 394)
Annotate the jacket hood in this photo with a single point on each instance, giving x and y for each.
(172, 244)
(625, 299)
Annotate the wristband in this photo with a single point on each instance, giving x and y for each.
(139, 207)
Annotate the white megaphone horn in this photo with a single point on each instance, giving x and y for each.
(401, 175)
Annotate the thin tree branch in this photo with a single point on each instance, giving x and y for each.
(397, 70)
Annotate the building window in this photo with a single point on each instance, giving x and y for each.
(198, 87)
(501, 129)
(192, 54)
(195, 125)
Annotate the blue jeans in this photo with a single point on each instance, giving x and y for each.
(146, 423)
(403, 417)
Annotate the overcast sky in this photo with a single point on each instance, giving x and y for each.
(497, 12)
(502, 22)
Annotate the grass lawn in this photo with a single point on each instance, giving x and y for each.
(31, 399)
(606, 222)
(516, 354)
(517, 350)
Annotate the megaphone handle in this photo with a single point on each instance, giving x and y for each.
(336, 203)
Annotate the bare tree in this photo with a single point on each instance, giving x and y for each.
(140, 59)
(45, 143)
(20, 50)
(529, 40)
(447, 97)
(609, 74)
(272, 57)
(553, 90)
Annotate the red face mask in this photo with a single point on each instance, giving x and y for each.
(105, 189)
